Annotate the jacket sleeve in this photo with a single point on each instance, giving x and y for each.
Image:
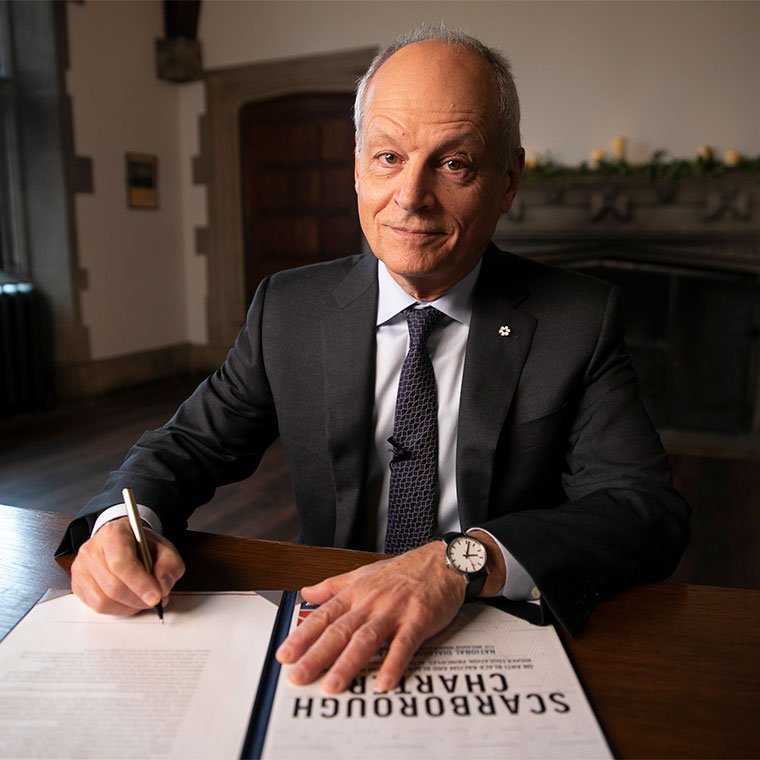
(620, 522)
(217, 436)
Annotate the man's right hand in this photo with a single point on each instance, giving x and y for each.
(108, 575)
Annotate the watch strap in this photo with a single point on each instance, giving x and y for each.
(475, 585)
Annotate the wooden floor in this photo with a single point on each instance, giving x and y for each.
(58, 460)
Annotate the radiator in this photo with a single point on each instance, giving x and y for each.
(25, 355)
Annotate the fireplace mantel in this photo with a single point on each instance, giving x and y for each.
(687, 256)
(702, 221)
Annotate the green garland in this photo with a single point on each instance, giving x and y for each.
(657, 168)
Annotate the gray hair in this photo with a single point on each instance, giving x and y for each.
(508, 113)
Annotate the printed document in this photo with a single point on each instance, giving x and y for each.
(76, 684)
(489, 686)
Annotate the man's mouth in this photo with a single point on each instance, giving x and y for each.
(412, 231)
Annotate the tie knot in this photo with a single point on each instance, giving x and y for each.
(421, 323)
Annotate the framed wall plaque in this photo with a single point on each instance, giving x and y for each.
(142, 180)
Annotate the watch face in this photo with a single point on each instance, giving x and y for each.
(466, 554)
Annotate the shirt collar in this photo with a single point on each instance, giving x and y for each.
(456, 302)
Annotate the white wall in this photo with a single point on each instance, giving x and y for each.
(136, 295)
(192, 103)
(672, 75)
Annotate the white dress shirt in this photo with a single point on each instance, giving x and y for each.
(447, 346)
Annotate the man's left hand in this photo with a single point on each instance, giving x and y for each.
(403, 600)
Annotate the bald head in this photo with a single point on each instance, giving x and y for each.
(505, 106)
(436, 78)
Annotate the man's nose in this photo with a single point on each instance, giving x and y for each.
(415, 189)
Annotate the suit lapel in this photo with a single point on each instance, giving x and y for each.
(348, 343)
(497, 347)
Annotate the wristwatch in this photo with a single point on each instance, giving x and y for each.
(468, 557)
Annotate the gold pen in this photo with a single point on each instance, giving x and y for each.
(136, 525)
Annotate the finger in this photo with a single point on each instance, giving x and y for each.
(85, 587)
(321, 592)
(100, 564)
(365, 641)
(123, 576)
(299, 640)
(126, 583)
(168, 566)
(400, 652)
(333, 642)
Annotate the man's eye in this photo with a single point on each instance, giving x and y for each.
(455, 165)
(388, 158)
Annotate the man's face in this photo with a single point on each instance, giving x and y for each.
(429, 187)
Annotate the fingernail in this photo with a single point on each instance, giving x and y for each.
(383, 683)
(296, 675)
(166, 583)
(151, 598)
(332, 683)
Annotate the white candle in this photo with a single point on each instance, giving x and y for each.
(705, 152)
(618, 148)
(731, 157)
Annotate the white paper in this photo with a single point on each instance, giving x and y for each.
(490, 685)
(77, 684)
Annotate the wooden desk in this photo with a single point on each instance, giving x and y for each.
(671, 670)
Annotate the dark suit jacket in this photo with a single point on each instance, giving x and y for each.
(556, 455)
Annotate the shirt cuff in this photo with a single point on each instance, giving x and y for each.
(120, 510)
(519, 586)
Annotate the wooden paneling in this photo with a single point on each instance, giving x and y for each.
(725, 497)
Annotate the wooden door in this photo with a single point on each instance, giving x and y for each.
(299, 205)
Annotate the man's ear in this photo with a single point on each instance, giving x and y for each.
(356, 161)
(513, 173)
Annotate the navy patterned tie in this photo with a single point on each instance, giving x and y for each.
(414, 467)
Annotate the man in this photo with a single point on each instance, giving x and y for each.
(538, 445)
